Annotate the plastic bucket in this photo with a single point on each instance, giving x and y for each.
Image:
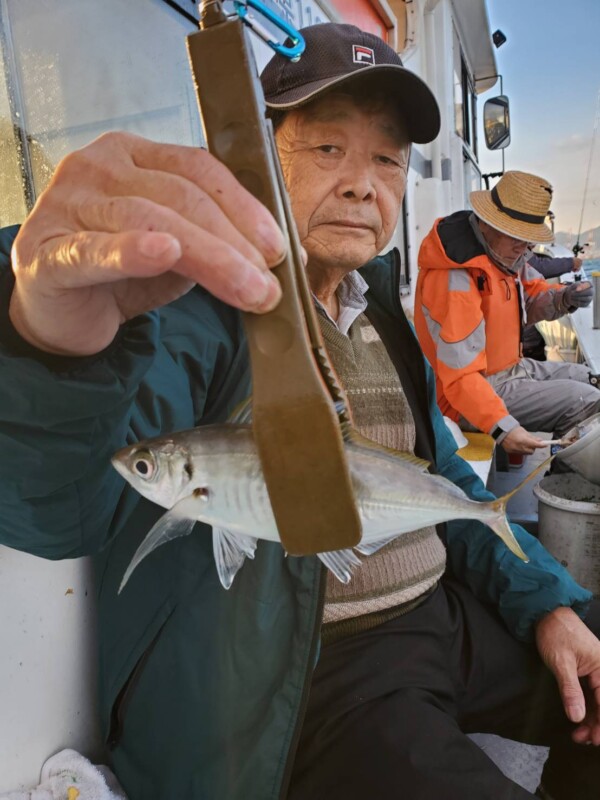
(556, 353)
(569, 525)
(583, 456)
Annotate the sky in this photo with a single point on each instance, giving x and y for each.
(550, 66)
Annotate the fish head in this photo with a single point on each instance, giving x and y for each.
(161, 471)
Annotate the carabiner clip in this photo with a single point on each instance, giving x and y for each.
(298, 44)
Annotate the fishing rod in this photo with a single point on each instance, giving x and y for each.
(578, 248)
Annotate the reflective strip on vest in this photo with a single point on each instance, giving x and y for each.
(456, 355)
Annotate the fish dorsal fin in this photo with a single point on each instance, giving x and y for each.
(353, 437)
(373, 547)
(170, 526)
(341, 563)
(242, 413)
(230, 550)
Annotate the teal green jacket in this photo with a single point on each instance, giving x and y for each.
(202, 690)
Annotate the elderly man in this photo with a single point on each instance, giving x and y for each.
(287, 685)
(475, 293)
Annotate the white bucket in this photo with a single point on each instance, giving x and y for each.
(556, 353)
(569, 525)
(583, 456)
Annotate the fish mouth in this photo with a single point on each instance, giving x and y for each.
(118, 463)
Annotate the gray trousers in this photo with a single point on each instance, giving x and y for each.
(547, 395)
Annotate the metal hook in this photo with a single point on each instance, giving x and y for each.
(298, 44)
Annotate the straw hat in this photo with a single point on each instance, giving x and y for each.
(517, 205)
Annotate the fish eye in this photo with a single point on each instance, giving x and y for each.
(143, 465)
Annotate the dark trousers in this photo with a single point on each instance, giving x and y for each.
(390, 708)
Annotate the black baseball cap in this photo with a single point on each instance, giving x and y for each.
(337, 54)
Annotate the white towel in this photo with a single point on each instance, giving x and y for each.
(459, 438)
(70, 776)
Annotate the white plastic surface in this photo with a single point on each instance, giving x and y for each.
(584, 455)
(47, 664)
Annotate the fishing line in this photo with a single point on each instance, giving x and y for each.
(577, 247)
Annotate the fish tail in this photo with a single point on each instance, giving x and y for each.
(544, 465)
(500, 525)
(502, 529)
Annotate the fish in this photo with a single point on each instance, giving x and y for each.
(212, 474)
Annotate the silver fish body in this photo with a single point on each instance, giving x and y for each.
(212, 474)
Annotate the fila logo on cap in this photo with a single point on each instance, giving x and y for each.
(362, 55)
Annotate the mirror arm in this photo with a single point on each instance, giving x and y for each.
(487, 77)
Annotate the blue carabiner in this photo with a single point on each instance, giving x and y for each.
(298, 44)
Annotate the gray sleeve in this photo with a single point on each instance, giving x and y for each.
(550, 267)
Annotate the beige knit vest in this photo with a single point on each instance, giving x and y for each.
(409, 566)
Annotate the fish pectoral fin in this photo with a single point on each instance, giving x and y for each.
(230, 550)
(341, 563)
(171, 525)
(373, 547)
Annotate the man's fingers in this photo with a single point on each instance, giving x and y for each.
(87, 259)
(570, 690)
(184, 197)
(243, 210)
(207, 258)
(582, 734)
(91, 258)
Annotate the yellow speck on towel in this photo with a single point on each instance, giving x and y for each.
(72, 793)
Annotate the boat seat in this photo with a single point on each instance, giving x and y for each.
(480, 447)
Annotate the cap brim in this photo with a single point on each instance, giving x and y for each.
(485, 209)
(415, 99)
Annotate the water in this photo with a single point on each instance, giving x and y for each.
(591, 265)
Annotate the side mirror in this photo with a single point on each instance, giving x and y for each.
(496, 123)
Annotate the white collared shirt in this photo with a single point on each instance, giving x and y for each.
(351, 301)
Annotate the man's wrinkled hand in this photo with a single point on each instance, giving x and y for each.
(127, 225)
(521, 441)
(572, 653)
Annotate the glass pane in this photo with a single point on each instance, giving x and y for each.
(472, 178)
(84, 68)
(459, 114)
(12, 195)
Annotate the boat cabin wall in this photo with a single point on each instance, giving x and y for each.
(453, 53)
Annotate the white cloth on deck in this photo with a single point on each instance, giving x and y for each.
(69, 776)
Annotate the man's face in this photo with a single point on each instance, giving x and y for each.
(345, 170)
(505, 246)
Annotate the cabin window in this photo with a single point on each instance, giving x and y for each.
(74, 70)
(465, 100)
(471, 176)
(13, 181)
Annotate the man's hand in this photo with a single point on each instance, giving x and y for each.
(521, 441)
(128, 225)
(572, 652)
(577, 295)
(577, 262)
